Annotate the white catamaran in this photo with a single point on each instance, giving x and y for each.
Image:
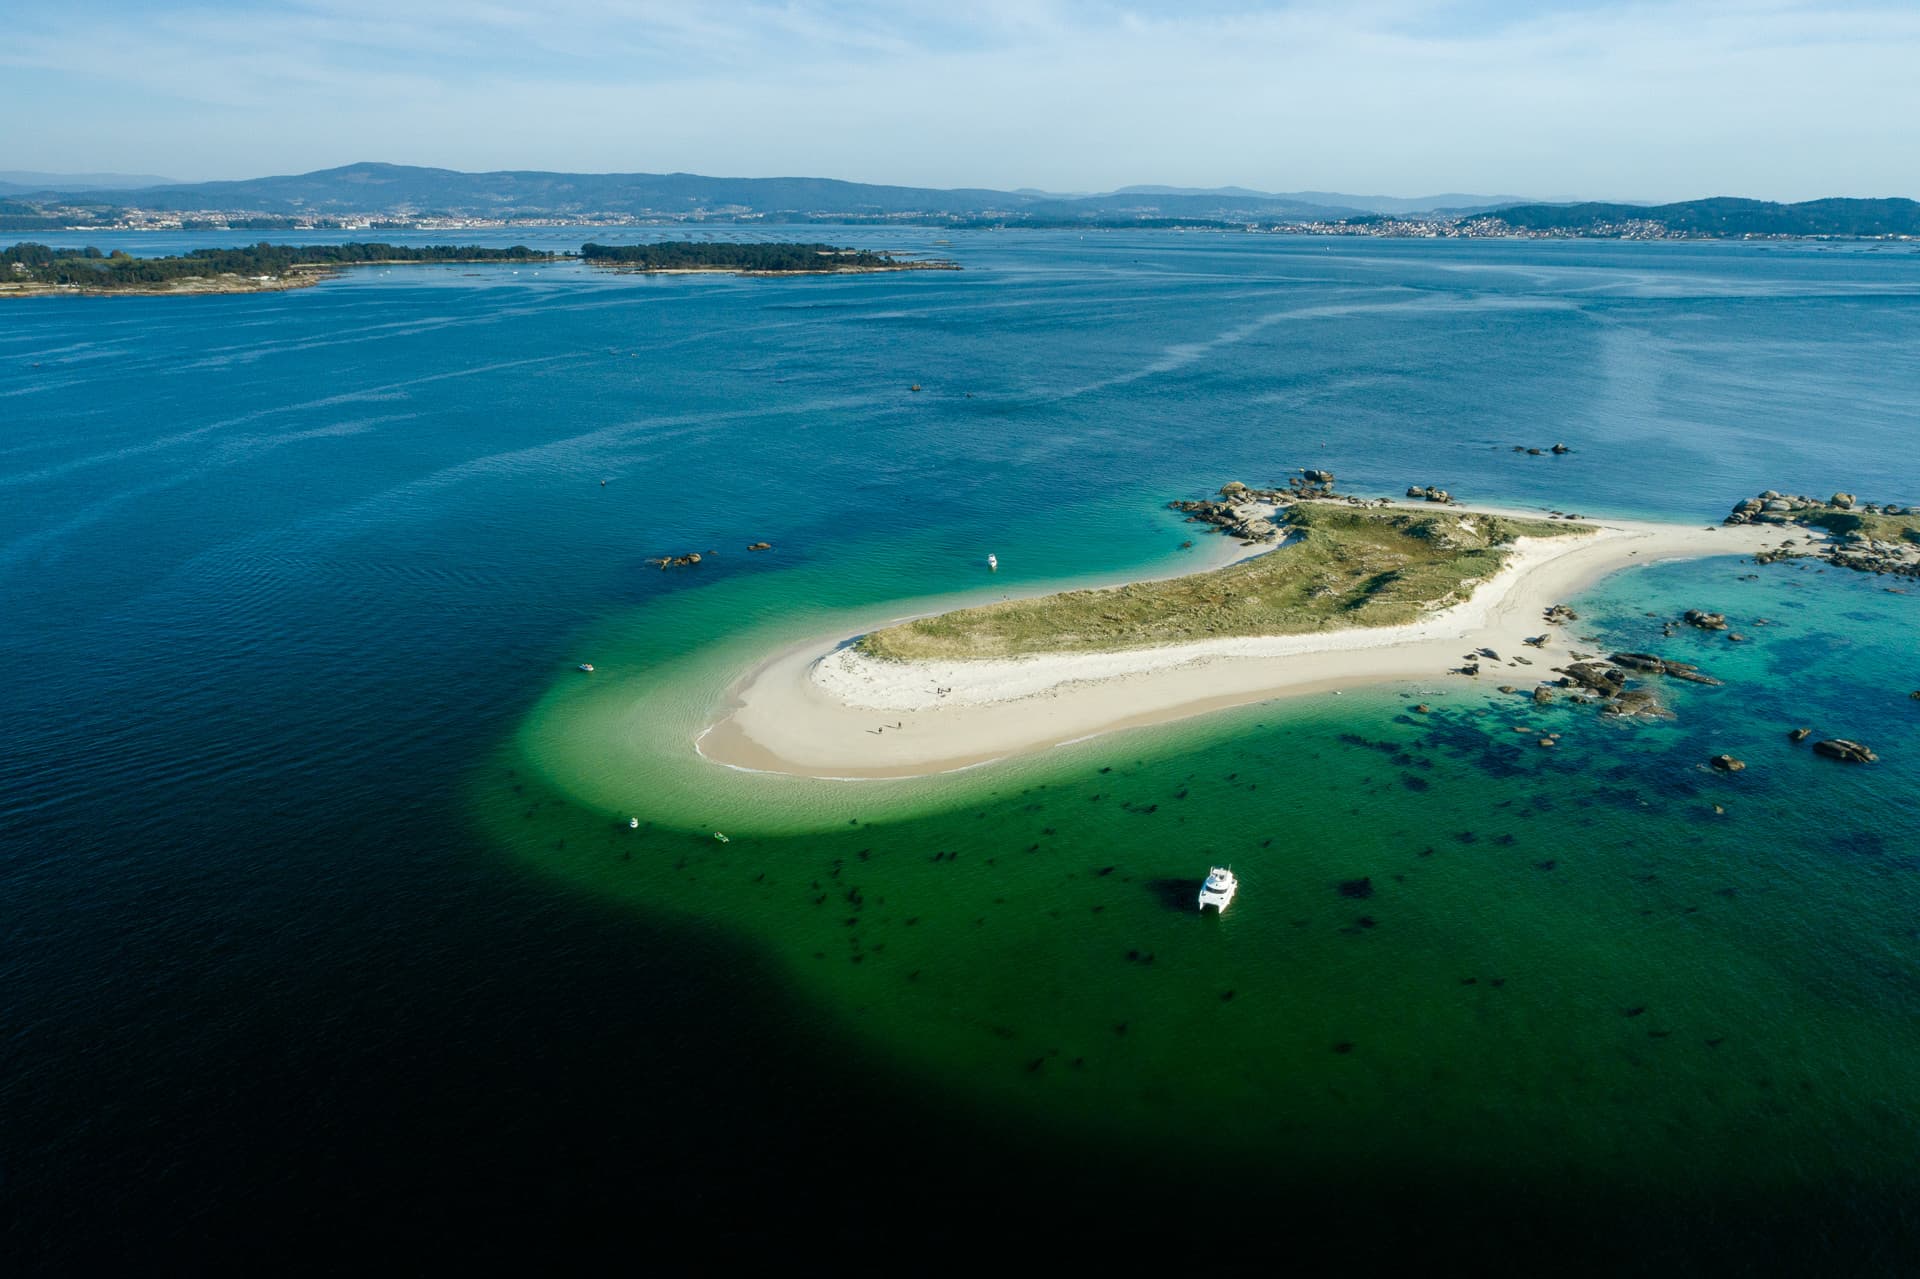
(1219, 889)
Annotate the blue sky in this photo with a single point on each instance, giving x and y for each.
(1775, 98)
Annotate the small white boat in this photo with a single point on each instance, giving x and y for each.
(993, 562)
(587, 667)
(633, 823)
(722, 838)
(1219, 889)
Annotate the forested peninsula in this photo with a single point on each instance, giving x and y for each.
(30, 269)
(753, 258)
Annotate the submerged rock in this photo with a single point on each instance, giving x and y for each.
(1637, 703)
(1727, 763)
(1706, 621)
(1846, 750)
(1654, 664)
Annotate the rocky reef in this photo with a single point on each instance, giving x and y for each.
(1609, 682)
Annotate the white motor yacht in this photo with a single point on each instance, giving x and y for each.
(1219, 889)
(993, 561)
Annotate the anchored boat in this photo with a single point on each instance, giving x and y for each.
(1219, 889)
(993, 562)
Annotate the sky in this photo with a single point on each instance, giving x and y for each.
(1777, 99)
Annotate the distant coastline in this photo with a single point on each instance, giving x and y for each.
(385, 197)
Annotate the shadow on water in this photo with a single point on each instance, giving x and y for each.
(1175, 894)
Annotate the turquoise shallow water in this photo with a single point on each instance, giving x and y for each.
(320, 893)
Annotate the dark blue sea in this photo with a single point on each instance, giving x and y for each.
(319, 946)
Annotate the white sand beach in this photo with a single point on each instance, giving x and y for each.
(822, 709)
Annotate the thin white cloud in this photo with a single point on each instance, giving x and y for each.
(1769, 97)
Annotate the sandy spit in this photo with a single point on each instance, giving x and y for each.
(823, 710)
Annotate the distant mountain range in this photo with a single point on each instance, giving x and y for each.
(406, 189)
(1452, 202)
(405, 192)
(21, 182)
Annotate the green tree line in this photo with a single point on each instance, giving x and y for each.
(91, 268)
(686, 254)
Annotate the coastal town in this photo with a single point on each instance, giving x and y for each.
(1435, 226)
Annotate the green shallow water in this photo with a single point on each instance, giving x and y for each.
(1561, 963)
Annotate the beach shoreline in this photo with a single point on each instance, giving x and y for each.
(821, 709)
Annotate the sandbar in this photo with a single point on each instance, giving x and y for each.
(823, 709)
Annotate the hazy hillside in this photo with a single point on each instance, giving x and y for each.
(392, 188)
(1726, 215)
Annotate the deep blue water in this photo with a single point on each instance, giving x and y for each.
(277, 570)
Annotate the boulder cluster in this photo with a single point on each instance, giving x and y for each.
(1607, 681)
(1429, 492)
(1773, 507)
(1853, 526)
(1235, 512)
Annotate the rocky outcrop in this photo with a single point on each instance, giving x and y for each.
(761, 546)
(1868, 537)
(1869, 555)
(1800, 734)
(677, 561)
(1705, 621)
(1561, 613)
(1430, 493)
(1606, 680)
(1653, 664)
(1594, 677)
(1636, 703)
(1236, 512)
(1727, 763)
(1845, 750)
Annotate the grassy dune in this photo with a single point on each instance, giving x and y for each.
(1345, 567)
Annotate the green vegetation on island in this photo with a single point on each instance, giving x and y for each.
(36, 267)
(1343, 567)
(1723, 216)
(30, 268)
(753, 257)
